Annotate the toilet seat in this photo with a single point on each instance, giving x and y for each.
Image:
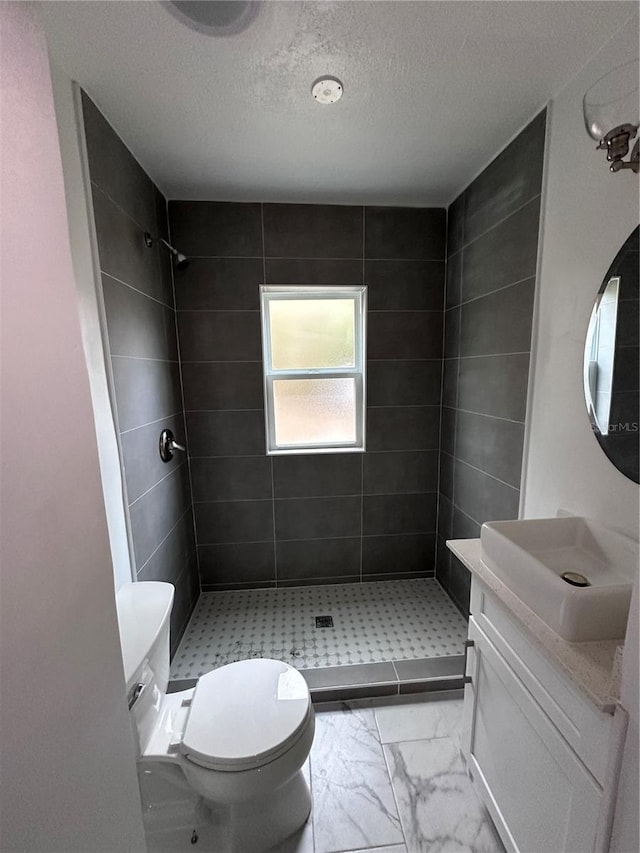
(246, 714)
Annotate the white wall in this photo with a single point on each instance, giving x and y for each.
(67, 758)
(588, 214)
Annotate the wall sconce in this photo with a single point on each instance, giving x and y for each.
(611, 115)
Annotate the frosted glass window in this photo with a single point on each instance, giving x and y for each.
(312, 333)
(313, 349)
(313, 411)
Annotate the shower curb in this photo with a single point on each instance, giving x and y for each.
(392, 678)
(372, 680)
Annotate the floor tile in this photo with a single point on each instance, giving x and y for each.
(353, 802)
(438, 807)
(394, 849)
(434, 718)
(373, 623)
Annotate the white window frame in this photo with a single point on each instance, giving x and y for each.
(358, 294)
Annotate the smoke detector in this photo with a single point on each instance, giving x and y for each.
(327, 90)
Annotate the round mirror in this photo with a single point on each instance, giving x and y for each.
(611, 361)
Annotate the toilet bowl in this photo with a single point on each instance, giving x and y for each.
(238, 739)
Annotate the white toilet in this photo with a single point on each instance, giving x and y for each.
(239, 738)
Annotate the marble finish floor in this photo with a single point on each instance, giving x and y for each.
(372, 622)
(386, 777)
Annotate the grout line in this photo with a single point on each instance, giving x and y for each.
(309, 258)
(442, 407)
(356, 495)
(466, 514)
(183, 628)
(499, 222)
(403, 358)
(393, 790)
(395, 669)
(184, 413)
(311, 819)
(408, 406)
(161, 543)
(223, 361)
(493, 354)
(457, 397)
(314, 538)
(485, 415)
(146, 358)
(137, 290)
(268, 586)
(126, 212)
(193, 257)
(491, 292)
(273, 515)
(412, 450)
(314, 498)
(158, 482)
(151, 423)
(306, 452)
(361, 518)
(239, 456)
(487, 474)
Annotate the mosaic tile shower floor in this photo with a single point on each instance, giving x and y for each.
(372, 622)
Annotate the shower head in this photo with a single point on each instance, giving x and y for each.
(181, 261)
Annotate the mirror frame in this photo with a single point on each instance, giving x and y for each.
(621, 444)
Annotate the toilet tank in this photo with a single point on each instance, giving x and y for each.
(144, 609)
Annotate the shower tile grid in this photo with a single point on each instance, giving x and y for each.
(372, 622)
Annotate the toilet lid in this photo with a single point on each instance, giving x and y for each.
(244, 714)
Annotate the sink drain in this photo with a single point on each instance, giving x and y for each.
(575, 579)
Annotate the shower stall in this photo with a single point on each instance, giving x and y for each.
(334, 562)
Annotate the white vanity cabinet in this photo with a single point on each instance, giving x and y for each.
(542, 757)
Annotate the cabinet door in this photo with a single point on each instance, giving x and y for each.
(541, 796)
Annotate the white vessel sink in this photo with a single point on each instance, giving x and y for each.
(530, 556)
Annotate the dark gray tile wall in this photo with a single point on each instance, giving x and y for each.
(291, 520)
(143, 352)
(492, 244)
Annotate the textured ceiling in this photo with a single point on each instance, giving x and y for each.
(432, 90)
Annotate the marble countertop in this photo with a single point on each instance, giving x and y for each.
(592, 667)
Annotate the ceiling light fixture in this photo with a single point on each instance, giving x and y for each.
(215, 17)
(611, 115)
(327, 90)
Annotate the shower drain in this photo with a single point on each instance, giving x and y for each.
(324, 621)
